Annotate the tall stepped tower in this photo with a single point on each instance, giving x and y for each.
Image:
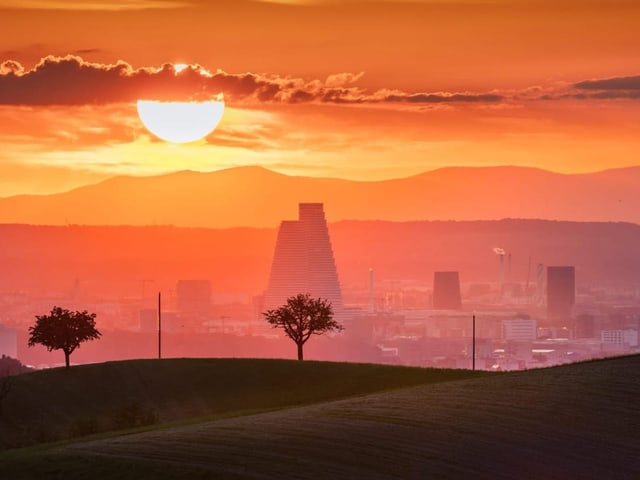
(303, 260)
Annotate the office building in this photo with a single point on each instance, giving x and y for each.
(561, 292)
(303, 260)
(446, 291)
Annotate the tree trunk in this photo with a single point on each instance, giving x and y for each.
(66, 358)
(300, 356)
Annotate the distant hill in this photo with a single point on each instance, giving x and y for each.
(256, 197)
(575, 421)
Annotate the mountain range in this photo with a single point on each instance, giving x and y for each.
(257, 197)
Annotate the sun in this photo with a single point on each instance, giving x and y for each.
(180, 122)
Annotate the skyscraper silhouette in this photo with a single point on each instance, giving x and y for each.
(303, 260)
(446, 291)
(561, 291)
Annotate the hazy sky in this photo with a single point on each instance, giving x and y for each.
(353, 89)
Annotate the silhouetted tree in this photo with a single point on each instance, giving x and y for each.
(301, 317)
(63, 330)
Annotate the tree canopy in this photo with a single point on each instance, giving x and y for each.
(303, 316)
(63, 330)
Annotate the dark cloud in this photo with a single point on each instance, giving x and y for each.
(444, 98)
(616, 88)
(301, 96)
(70, 80)
(616, 83)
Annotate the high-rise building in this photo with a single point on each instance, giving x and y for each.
(446, 291)
(303, 260)
(561, 291)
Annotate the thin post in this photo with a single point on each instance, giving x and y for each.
(159, 326)
(473, 348)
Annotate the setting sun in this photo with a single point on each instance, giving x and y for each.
(180, 122)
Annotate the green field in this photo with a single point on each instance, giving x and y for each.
(571, 422)
(57, 404)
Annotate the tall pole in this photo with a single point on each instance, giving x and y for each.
(473, 348)
(159, 326)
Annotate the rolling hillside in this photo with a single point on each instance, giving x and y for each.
(576, 421)
(236, 197)
(55, 404)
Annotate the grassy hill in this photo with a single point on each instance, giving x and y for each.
(576, 421)
(56, 404)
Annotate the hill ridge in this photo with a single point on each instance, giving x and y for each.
(572, 421)
(47, 404)
(258, 197)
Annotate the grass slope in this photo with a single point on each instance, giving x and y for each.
(577, 421)
(49, 405)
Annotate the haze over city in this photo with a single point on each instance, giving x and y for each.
(456, 179)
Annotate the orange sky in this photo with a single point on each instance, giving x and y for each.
(362, 90)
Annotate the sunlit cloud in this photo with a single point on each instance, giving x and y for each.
(70, 80)
(69, 126)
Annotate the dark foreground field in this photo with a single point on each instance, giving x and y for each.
(58, 404)
(574, 422)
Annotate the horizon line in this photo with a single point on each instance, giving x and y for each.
(322, 177)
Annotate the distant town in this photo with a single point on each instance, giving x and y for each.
(501, 323)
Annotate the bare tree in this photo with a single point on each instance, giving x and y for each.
(301, 317)
(63, 330)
